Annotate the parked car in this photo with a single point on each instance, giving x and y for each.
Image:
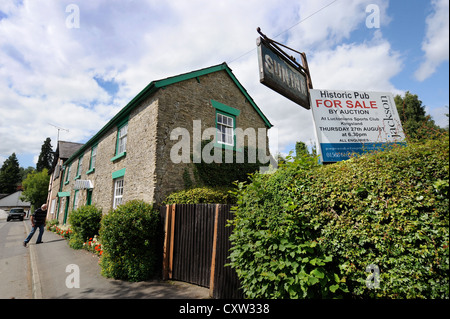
(16, 213)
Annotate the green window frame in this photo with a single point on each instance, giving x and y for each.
(67, 173)
(225, 128)
(92, 159)
(118, 178)
(119, 185)
(79, 167)
(225, 114)
(121, 140)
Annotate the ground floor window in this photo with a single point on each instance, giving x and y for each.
(53, 206)
(118, 192)
(76, 198)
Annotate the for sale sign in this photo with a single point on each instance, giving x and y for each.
(348, 122)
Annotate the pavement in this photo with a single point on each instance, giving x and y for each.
(56, 271)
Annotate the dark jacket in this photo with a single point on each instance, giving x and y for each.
(39, 217)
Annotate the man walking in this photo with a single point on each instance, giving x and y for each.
(37, 221)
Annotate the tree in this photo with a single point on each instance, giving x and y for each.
(416, 124)
(35, 188)
(25, 171)
(10, 176)
(46, 157)
(301, 150)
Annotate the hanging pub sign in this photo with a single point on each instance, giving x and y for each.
(348, 122)
(281, 73)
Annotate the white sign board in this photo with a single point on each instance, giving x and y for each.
(349, 122)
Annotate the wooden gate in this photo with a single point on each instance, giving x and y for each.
(196, 247)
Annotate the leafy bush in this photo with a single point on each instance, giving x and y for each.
(202, 195)
(129, 238)
(310, 231)
(85, 223)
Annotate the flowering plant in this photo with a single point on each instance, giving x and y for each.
(63, 230)
(51, 224)
(93, 245)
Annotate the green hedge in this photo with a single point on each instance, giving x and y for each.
(84, 223)
(129, 236)
(202, 195)
(310, 231)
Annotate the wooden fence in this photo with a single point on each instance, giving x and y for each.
(196, 247)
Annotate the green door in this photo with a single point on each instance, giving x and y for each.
(89, 197)
(66, 209)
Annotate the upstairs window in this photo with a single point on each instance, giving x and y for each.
(93, 157)
(122, 139)
(225, 125)
(67, 178)
(80, 168)
(121, 145)
(92, 160)
(225, 129)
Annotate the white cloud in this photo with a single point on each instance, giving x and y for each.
(365, 66)
(436, 42)
(438, 114)
(47, 70)
(325, 26)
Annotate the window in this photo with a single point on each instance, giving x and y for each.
(118, 192)
(121, 146)
(225, 129)
(225, 125)
(92, 160)
(75, 200)
(80, 167)
(67, 174)
(122, 139)
(52, 207)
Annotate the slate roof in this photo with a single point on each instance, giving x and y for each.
(13, 200)
(64, 150)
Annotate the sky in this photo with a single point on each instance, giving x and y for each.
(74, 64)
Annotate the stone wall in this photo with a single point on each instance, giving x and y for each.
(139, 162)
(190, 100)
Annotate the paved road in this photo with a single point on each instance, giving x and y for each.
(15, 279)
(41, 271)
